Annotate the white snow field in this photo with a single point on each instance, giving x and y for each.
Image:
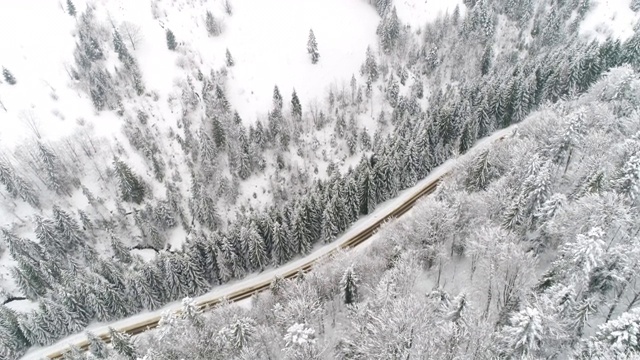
(418, 13)
(610, 18)
(37, 49)
(224, 290)
(267, 39)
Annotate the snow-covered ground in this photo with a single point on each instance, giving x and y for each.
(418, 13)
(610, 18)
(38, 50)
(319, 252)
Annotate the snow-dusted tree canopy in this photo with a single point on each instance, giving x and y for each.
(166, 189)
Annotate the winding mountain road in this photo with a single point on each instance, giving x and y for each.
(362, 230)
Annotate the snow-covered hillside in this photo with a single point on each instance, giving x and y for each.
(267, 40)
(152, 150)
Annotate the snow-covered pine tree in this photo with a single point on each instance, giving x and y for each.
(193, 276)
(523, 337)
(97, 347)
(228, 8)
(171, 40)
(219, 134)
(221, 101)
(119, 250)
(71, 9)
(277, 99)
(172, 274)
(257, 249)
(48, 236)
(6, 178)
(207, 214)
(55, 173)
(382, 6)
(212, 24)
(12, 340)
(349, 284)
(29, 279)
(301, 232)
(312, 47)
(366, 190)
(480, 172)
(487, 59)
(120, 47)
(68, 229)
(8, 76)
(280, 251)
(468, 136)
(131, 187)
(296, 108)
(122, 344)
(156, 289)
(370, 67)
(389, 31)
(229, 59)
(330, 223)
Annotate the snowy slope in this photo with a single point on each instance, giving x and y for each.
(38, 53)
(46, 103)
(417, 13)
(221, 291)
(610, 18)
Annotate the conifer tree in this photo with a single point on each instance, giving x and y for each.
(296, 108)
(480, 172)
(71, 9)
(120, 47)
(54, 170)
(8, 76)
(193, 276)
(156, 290)
(29, 281)
(213, 27)
(257, 250)
(349, 284)
(131, 187)
(277, 99)
(119, 250)
(312, 47)
(48, 236)
(97, 347)
(354, 86)
(229, 60)
(330, 223)
(221, 100)
(487, 58)
(122, 344)
(367, 191)
(280, 250)
(389, 31)
(206, 213)
(67, 228)
(171, 40)
(6, 178)
(219, 135)
(12, 339)
(301, 232)
(26, 191)
(370, 66)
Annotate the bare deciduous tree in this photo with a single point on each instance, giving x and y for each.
(131, 33)
(32, 123)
